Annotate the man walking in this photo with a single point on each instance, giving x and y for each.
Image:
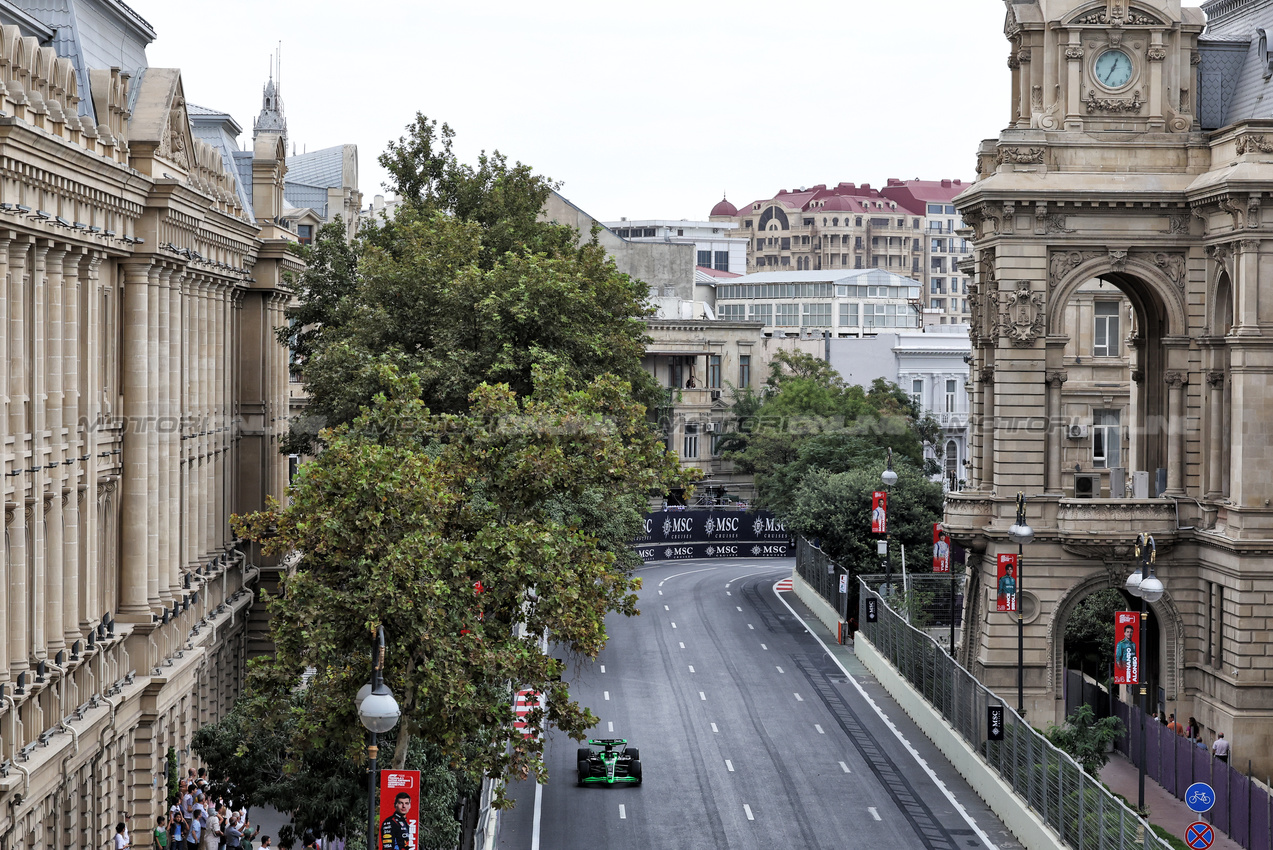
(1221, 748)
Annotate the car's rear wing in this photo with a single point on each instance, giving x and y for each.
(607, 742)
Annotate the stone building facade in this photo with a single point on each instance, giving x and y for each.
(142, 400)
(1139, 154)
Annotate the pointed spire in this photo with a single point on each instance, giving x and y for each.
(271, 119)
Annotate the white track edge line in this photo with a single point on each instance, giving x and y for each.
(959, 807)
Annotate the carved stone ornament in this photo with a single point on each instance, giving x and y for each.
(1173, 266)
(1156, 54)
(1022, 156)
(1023, 55)
(1220, 254)
(1022, 318)
(1117, 258)
(1215, 378)
(1110, 104)
(1064, 262)
(1055, 223)
(1115, 16)
(1058, 377)
(1235, 208)
(1177, 225)
(1073, 53)
(1175, 379)
(1254, 144)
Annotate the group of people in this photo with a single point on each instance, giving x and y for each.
(1193, 731)
(196, 821)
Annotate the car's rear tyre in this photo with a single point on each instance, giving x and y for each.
(632, 753)
(584, 770)
(634, 770)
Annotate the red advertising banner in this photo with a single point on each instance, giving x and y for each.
(941, 549)
(399, 809)
(1006, 595)
(1127, 650)
(879, 512)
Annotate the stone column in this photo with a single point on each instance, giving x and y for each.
(1056, 429)
(1175, 431)
(134, 499)
(1216, 435)
(18, 621)
(37, 553)
(92, 380)
(53, 392)
(987, 429)
(176, 413)
(76, 441)
(163, 437)
(19, 397)
(154, 588)
(1247, 291)
(1157, 93)
(1074, 81)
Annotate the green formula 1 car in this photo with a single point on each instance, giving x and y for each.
(615, 762)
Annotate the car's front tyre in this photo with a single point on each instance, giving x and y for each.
(634, 770)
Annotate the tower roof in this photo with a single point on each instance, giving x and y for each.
(271, 118)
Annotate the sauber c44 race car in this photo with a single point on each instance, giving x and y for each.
(615, 762)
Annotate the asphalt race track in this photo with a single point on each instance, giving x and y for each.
(751, 735)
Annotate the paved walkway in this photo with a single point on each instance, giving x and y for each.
(1164, 809)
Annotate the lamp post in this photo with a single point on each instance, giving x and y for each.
(379, 712)
(889, 477)
(1020, 533)
(1146, 586)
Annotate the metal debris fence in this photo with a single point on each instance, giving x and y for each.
(1079, 808)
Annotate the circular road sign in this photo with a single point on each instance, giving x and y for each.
(1200, 797)
(1199, 835)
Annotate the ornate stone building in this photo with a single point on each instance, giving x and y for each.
(142, 398)
(1139, 153)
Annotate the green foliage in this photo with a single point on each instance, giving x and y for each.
(466, 285)
(836, 507)
(1176, 842)
(404, 512)
(174, 775)
(1089, 633)
(1086, 739)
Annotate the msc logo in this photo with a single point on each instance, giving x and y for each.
(769, 551)
(646, 554)
(678, 552)
(649, 526)
(729, 523)
(725, 551)
(681, 523)
(767, 524)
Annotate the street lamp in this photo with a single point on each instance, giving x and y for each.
(889, 477)
(1020, 533)
(379, 712)
(1147, 587)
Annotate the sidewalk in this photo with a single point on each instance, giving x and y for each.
(1164, 809)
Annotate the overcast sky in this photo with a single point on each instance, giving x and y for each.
(643, 110)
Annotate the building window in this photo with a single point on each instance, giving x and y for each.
(817, 316)
(762, 313)
(722, 261)
(704, 259)
(732, 312)
(857, 222)
(917, 393)
(937, 286)
(305, 232)
(1106, 342)
(713, 371)
(689, 446)
(950, 396)
(788, 316)
(744, 371)
(952, 465)
(938, 304)
(848, 315)
(1105, 451)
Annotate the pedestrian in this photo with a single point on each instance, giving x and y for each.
(161, 832)
(1162, 718)
(234, 833)
(265, 843)
(211, 831)
(1221, 748)
(194, 835)
(177, 830)
(1194, 730)
(122, 841)
(1200, 744)
(1175, 726)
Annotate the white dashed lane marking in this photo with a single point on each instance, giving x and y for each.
(729, 765)
(798, 697)
(874, 813)
(610, 726)
(765, 648)
(665, 608)
(691, 668)
(623, 813)
(747, 811)
(674, 625)
(702, 695)
(739, 607)
(845, 767)
(728, 593)
(682, 644)
(603, 668)
(750, 626)
(819, 728)
(714, 729)
(779, 669)
(607, 694)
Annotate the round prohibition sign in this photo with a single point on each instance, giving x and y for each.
(1199, 835)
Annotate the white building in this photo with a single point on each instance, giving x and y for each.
(715, 246)
(931, 365)
(846, 302)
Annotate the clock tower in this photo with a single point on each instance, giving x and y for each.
(1121, 213)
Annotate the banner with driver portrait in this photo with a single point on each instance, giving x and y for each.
(941, 549)
(399, 810)
(1127, 649)
(879, 512)
(1006, 590)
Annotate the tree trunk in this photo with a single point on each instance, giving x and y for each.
(468, 820)
(404, 731)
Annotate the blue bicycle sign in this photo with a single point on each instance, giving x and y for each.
(1200, 797)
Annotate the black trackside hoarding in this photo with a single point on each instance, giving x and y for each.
(680, 534)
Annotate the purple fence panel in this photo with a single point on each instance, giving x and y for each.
(1123, 712)
(1184, 765)
(1201, 765)
(1259, 819)
(1153, 749)
(1220, 812)
(1239, 808)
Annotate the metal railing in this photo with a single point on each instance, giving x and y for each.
(1071, 802)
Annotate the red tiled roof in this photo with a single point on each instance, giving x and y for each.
(715, 272)
(724, 208)
(913, 196)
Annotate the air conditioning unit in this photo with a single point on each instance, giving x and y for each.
(1076, 432)
(1087, 485)
(711, 427)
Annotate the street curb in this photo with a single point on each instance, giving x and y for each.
(1029, 829)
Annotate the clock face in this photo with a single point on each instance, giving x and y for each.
(1114, 69)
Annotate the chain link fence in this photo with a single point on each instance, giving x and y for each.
(1078, 807)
